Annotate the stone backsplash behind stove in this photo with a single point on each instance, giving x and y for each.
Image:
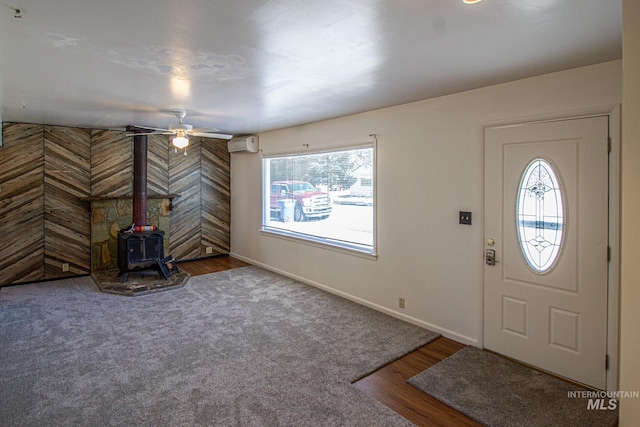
(108, 216)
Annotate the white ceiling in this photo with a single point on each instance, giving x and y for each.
(246, 66)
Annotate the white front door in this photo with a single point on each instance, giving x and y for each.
(546, 218)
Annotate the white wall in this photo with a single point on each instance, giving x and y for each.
(430, 166)
(630, 274)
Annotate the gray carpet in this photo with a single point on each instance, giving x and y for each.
(244, 347)
(498, 392)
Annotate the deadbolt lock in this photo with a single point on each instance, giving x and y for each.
(490, 257)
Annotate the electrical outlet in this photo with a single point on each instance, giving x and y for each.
(401, 302)
(209, 250)
(65, 267)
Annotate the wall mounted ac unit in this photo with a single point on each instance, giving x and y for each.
(243, 143)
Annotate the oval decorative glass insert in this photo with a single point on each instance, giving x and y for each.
(540, 215)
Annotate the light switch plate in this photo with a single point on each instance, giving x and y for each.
(465, 218)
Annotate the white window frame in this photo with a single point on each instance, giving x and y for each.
(318, 241)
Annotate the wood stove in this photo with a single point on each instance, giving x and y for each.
(139, 250)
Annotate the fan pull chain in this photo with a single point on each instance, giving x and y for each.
(175, 150)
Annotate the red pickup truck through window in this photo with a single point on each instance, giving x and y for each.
(298, 200)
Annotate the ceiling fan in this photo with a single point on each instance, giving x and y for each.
(182, 132)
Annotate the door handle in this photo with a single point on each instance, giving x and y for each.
(490, 257)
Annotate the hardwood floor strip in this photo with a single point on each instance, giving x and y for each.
(388, 385)
(211, 265)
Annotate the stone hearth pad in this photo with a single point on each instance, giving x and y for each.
(139, 283)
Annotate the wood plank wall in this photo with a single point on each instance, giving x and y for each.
(158, 165)
(45, 170)
(22, 203)
(67, 178)
(111, 165)
(216, 196)
(184, 180)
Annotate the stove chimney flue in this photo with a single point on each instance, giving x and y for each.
(139, 178)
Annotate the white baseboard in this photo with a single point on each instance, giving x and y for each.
(409, 319)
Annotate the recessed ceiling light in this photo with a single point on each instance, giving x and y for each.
(471, 1)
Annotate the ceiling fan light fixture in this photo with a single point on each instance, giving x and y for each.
(471, 1)
(180, 141)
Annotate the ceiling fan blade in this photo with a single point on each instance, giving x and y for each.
(151, 128)
(157, 132)
(211, 135)
(201, 130)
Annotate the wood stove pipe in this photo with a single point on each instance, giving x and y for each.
(139, 179)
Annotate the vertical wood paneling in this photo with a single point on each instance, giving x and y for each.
(111, 163)
(184, 180)
(67, 178)
(215, 196)
(158, 164)
(21, 203)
